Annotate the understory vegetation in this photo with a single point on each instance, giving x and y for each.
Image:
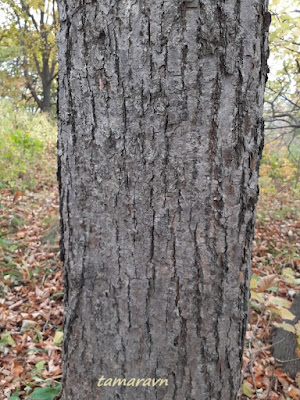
(27, 147)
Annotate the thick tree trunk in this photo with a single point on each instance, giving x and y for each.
(46, 103)
(160, 137)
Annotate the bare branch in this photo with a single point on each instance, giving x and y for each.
(53, 65)
(37, 64)
(27, 10)
(285, 97)
(53, 77)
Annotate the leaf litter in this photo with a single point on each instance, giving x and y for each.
(32, 293)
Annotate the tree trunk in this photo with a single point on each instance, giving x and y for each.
(46, 102)
(46, 84)
(160, 138)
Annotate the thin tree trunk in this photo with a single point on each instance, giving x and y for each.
(46, 102)
(160, 138)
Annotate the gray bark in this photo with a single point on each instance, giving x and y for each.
(46, 85)
(160, 138)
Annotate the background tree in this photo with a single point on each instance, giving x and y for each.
(160, 138)
(28, 52)
(282, 100)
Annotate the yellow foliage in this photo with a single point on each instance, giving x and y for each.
(276, 165)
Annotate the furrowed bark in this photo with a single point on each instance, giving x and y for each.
(160, 138)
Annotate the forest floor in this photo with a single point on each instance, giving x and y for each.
(31, 295)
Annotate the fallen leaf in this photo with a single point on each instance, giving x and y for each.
(294, 393)
(17, 370)
(247, 389)
(266, 282)
(287, 327)
(58, 338)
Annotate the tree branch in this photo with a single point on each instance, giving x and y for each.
(27, 10)
(53, 64)
(25, 67)
(284, 97)
(53, 77)
(37, 64)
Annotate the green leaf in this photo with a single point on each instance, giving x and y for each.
(38, 336)
(58, 337)
(35, 350)
(45, 393)
(6, 338)
(59, 295)
(247, 389)
(14, 396)
(40, 365)
(38, 380)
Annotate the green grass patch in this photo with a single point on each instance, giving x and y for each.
(27, 148)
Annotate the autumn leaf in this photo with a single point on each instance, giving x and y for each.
(17, 196)
(17, 369)
(279, 301)
(294, 393)
(253, 283)
(266, 282)
(21, 234)
(257, 297)
(285, 326)
(286, 314)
